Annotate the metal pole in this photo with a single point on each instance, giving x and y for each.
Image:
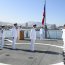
(45, 22)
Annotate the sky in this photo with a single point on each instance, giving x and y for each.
(22, 11)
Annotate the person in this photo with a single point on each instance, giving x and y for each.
(14, 34)
(63, 37)
(2, 36)
(32, 37)
(41, 33)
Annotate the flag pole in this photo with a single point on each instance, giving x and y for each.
(45, 22)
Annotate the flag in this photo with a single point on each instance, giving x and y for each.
(43, 16)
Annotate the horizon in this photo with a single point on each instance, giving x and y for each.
(32, 22)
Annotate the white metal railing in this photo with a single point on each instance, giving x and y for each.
(52, 34)
(56, 34)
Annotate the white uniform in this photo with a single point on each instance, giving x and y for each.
(14, 34)
(2, 38)
(41, 34)
(63, 37)
(33, 38)
(18, 33)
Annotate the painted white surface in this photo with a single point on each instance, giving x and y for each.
(61, 63)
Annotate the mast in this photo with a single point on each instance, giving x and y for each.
(45, 22)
